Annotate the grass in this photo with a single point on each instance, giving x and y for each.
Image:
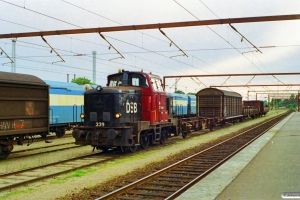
(17, 192)
(77, 173)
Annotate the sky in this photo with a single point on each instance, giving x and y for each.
(215, 49)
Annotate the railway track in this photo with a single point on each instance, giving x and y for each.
(19, 178)
(42, 150)
(34, 174)
(170, 182)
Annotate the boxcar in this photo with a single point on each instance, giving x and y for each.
(259, 105)
(24, 106)
(223, 106)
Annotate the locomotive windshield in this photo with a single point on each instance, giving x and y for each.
(131, 79)
(115, 80)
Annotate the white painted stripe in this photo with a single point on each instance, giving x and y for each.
(180, 102)
(66, 100)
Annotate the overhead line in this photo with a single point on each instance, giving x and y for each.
(41, 13)
(108, 19)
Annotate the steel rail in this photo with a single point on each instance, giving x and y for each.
(196, 180)
(154, 26)
(152, 176)
(70, 168)
(15, 154)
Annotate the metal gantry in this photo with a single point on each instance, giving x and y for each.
(154, 26)
(230, 75)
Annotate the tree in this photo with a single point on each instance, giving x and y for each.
(191, 93)
(82, 81)
(179, 92)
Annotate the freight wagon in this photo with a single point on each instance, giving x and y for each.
(30, 106)
(223, 106)
(259, 105)
(24, 106)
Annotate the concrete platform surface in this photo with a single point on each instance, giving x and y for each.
(266, 169)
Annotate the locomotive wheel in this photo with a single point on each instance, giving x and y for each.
(151, 139)
(104, 149)
(163, 137)
(132, 148)
(60, 133)
(144, 140)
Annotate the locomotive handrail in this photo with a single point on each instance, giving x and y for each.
(81, 111)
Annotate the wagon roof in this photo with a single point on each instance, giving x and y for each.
(20, 78)
(215, 92)
(64, 85)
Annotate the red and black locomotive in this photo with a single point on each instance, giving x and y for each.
(132, 110)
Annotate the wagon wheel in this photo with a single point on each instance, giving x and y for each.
(163, 136)
(211, 126)
(60, 132)
(184, 134)
(223, 123)
(3, 154)
(132, 148)
(144, 140)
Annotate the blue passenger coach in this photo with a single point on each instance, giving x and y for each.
(192, 105)
(180, 104)
(66, 104)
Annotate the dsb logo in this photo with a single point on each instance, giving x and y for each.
(131, 107)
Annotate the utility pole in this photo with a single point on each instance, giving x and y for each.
(94, 66)
(13, 65)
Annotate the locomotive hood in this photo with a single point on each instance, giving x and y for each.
(112, 106)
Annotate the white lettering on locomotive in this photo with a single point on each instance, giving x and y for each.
(131, 107)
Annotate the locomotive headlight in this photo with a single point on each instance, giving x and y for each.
(118, 115)
(82, 115)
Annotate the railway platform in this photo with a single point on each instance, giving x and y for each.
(269, 168)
